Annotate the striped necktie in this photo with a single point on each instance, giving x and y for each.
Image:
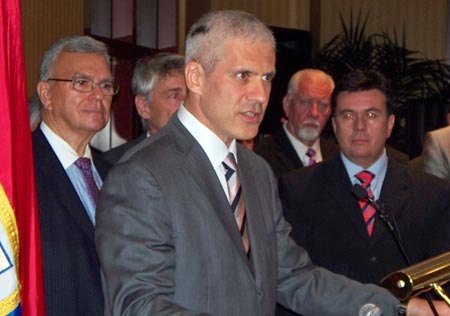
(368, 210)
(311, 153)
(84, 164)
(235, 198)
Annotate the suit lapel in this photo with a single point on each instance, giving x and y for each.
(285, 151)
(394, 194)
(205, 179)
(338, 186)
(58, 182)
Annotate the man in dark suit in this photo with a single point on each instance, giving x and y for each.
(159, 88)
(343, 233)
(307, 108)
(182, 229)
(76, 88)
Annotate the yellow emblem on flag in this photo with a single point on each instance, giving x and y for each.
(9, 257)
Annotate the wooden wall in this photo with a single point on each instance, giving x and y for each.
(425, 21)
(43, 22)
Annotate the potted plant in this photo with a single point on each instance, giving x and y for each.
(420, 86)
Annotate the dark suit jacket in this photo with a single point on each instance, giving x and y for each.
(71, 267)
(169, 245)
(278, 151)
(113, 155)
(327, 221)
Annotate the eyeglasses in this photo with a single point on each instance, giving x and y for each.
(307, 103)
(87, 85)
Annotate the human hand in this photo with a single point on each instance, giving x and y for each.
(420, 307)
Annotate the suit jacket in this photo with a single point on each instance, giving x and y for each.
(436, 153)
(113, 155)
(71, 268)
(282, 157)
(169, 245)
(278, 151)
(326, 219)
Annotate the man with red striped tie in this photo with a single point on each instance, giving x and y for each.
(342, 231)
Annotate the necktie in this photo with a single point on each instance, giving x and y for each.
(368, 210)
(84, 164)
(236, 199)
(311, 153)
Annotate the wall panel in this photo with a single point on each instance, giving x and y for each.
(425, 21)
(43, 22)
(286, 13)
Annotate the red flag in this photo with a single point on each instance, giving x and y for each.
(16, 160)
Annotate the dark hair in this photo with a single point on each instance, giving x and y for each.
(362, 80)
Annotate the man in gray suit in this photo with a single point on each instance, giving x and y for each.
(436, 153)
(159, 89)
(167, 238)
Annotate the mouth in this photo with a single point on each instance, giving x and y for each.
(360, 140)
(251, 116)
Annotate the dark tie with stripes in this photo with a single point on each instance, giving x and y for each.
(368, 210)
(236, 199)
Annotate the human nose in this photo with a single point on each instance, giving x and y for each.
(314, 109)
(98, 92)
(360, 122)
(259, 91)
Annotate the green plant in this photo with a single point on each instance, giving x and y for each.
(414, 79)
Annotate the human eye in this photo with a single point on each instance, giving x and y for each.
(305, 102)
(81, 82)
(371, 115)
(348, 116)
(242, 75)
(172, 96)
(322, 105)
(107, 85)
(268, 77)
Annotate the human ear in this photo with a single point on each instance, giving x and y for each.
(44, 92)
(142, 107)
(195, 77)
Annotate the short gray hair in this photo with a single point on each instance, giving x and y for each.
(74, 44)
(150, 70)
(204, 41)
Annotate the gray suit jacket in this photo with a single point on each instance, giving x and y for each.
(169, 245)
(436, 153)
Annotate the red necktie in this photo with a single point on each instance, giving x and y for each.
(368, 210)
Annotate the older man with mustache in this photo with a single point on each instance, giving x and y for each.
(307, 108)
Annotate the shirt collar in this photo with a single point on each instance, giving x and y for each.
(214, 147)
(378, 168)
(65, 153)
(301, 148)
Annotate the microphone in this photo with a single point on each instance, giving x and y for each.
(390, 222)
(362, 193)
(384, 214)
(370, 309)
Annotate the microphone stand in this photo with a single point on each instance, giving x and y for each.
(392, 226)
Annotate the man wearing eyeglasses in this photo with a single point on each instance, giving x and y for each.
(307, 108)
(76, 88)
(343, 230)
